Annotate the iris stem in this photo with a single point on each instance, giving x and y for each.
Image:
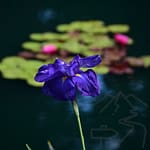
(76, 110)
(50, 145)
(27, 146)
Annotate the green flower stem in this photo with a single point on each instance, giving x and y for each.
(76, 110)
(28, 148)
(50, 145)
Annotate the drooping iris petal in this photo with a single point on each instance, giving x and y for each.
(87, 62)
(87, 83)
(69, 89)
(54, 88)
(51, 71)
(45, 73)
(60, 89)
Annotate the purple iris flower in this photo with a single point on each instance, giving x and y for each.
(63, 79)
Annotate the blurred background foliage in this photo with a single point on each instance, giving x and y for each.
(78, 37)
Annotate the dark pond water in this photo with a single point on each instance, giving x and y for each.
(116, 120)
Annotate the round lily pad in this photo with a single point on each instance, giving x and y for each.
(118, 28)
(146, 60)
(100, 69)
(33, 46)
(19, 68)
(102, 42)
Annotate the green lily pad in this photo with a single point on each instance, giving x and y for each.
(32, 46)
(37, 36)
(47, 36)
(89, 53)
(102, 42)
(100, 69)
(11, 61)
(118, 28)
(63, 28)
(11, 68)
(84, 26)
(73, 46)
(146, 60)
(131, 41)
(32, 82)
(86, 38)
(19, 68)
(100, 30)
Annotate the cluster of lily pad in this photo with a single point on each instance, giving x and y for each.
(79, 37)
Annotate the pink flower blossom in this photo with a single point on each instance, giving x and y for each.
(49, 49)
(121, 39)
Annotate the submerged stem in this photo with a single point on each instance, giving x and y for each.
(76, 110)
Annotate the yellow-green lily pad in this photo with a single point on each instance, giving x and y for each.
(146, 60)
(33, 46)
(118, 28)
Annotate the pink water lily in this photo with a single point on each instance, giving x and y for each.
(49, 49)
(121, 39)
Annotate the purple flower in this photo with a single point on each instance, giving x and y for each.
(62, 80)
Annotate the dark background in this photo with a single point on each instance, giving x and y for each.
(30, 117)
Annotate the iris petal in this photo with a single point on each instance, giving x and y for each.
(87, 83)
(61, 90)
(69, 89)
(87, 62)
(54, 88)
(73, 69)
(51, 71)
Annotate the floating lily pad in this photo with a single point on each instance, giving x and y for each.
(146, 60)
(19, 68)
(44, 36)
(33, 46)
(84, 26)
(11, 68)
(63, 28)
(135, 62)
(74, 47)
(102, 42)
(32, 82)
(131, 41)
(100, 69)
(37, 36)
(100, 30)
(118, 28)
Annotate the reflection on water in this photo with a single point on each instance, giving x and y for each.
(86, 103)
(46, 15)
(112, 143)
(136, 85)
(103, 87)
